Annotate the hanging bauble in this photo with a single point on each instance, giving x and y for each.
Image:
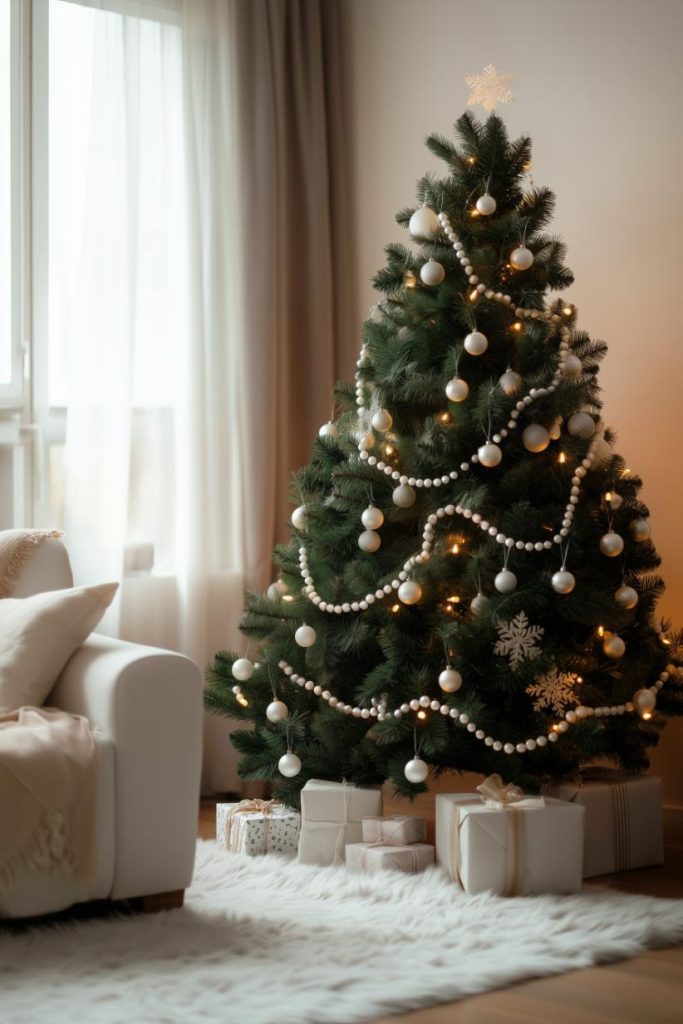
(510, 382)
(479, 604)
(611, 544)
(572, 368)
(505, 582)
(382, 421)
(521, 258)
(242, 669)
(614, 500)
(369, 541)
(581, 424)
(613, 646)
(639, 530)
(450, 680)
(489, 455)
(644, 702)
(554, 430)
(476, 343)
(404, 496)
(305, 636)
(328, 429)
(409, 592)
(424, 223)
(535, 438)
(626, 597)
(372, 518)
(298, 518)
(563, 582)
(432, 273)
(486, 205)
(366, 440)
(457, 389)
(416, 770)
(276, 590)
(289, 765)
(276, 711)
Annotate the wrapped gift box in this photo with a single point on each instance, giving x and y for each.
(254, 827)
(331, 816)
(532, 846)
(371, 857)
(623, 818)
(398, 830)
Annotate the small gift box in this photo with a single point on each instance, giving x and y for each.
(258, 826)
(371, 857)
(331, 816)
(623, 818)
(508, 843)
(398, 830)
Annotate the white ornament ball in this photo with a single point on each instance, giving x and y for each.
(563, 582)
(615, 500)
(639, 530)
(328, 429)
(626, 597)
(581, 424)
(382, 420)
(276, 711)
(521, 258)
(404, 496)
(476, 343)
(572, 368)
(372, 518)
(409, 592)
(505, 582)
(644, 702)
(535, 438)
(305, 636)
(479, 604)
(424, 223)
(289, 765)
(490, 455)
(486, 205)
(432, 273)
(276, 590)
(457, 389)
(366, 440)
(510, 382)
(298, 518)
(369, 541)
(611, 544)
(613, 646)
(450, 680)
(243, 669)
(416, 770)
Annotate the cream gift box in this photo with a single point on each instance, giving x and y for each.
(513, 847)
(258, 826)
(623, 818)
(331, 816)
(371, 857)
(398, 830)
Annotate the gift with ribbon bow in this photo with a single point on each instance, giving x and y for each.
(371, 857)
(331, 817)
(623, 817)
(396, 830)
(506, 842)
(254, 827)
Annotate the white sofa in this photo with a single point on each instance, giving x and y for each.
(146, 705)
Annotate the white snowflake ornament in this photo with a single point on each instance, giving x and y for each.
(518, 640)
(553, 689)
(488, 89)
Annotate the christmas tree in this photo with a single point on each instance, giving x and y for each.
(470, 583)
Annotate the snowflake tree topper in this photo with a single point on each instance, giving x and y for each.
(517, 640)
(488, 89)
(553, 689)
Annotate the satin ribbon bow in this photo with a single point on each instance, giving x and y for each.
(253, 807)
(495, 794)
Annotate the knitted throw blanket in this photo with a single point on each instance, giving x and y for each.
(48, 769)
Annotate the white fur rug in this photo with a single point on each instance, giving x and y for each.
(269, 941)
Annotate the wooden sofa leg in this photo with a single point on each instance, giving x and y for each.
(162, 901)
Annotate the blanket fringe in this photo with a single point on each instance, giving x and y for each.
(21, 553)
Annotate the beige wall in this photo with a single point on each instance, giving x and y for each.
(599, 87)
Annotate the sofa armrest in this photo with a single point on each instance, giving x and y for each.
(148, 702)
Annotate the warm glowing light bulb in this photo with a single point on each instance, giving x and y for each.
(568, 310)
(287, 597)
(455, 548)
(409, 279)
(474, 295)
(608, 496)
(555, 728)
(665, 640)
(395, 608)
(474, 213)
(446, 418)
(601, 630)
(646, 715)
(422, 715)
(241, 699)
(517, 326)
(626, 472)
(562, 458)
(579, 679)
(388, 449)
(471, 160)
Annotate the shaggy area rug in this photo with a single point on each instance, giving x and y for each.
(270, 941)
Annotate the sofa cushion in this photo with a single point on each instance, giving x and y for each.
(39, 634)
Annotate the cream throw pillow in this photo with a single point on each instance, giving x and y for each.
(39, 634)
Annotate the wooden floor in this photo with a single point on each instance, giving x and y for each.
(645, 990)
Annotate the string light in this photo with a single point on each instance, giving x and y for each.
(241, 699)
(608, 497)
(409, 279)
(562, 458)
(474, 295)
(517, 326)
(601, 631)
(471, 160)
(388, 449)
(474, 213)
(287, 597)
(455, 549)
(568, 310)
(395, 608)
(445, 418)
(422, 715)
